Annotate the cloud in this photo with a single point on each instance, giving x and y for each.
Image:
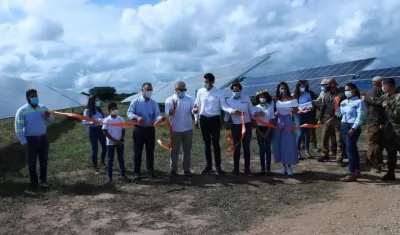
(77, 44)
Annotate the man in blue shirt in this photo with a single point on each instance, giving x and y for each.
(30, 128)
(145, 111)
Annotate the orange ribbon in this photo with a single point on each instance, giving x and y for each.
(123, 124)
(229, 137)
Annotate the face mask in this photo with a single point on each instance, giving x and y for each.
(34, 100)
(348, 94)
(384, 89)
(236, 94)
(302, 89)
(148, 94)
(283, 92)
(263, 100)
(98, 103)
(206, 85)
(181, 94)
(323, 88)
(114, 112)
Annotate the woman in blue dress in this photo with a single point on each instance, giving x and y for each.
(284, 141)
(95, 132)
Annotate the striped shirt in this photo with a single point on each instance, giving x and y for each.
(31, 122)
(352, 111)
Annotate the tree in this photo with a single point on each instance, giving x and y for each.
(104, 93)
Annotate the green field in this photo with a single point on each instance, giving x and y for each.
(79, 201)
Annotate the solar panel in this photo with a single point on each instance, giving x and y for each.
(342, 72)
(12, 96)
(367, 75)
(223, 75)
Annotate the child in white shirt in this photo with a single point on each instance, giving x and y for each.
(115, 142)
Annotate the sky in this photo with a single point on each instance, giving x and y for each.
(79, 44)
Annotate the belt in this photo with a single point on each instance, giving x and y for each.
(202, 116)
(143, 127)
(35, 136)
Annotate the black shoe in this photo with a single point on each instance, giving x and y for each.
(247, 171)
(341, 163)
(108, 181)
(44, 185)
(390, 176)
(261, 172)
(188, 173)
(152, 174)
(172, 174)
(235, 172)
(300, 157)
(124, 179)
(137, 177)
(323, 159)
(206, 171)
(220, 171)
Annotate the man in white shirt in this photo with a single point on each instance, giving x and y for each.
(209, 102)
(179, 110)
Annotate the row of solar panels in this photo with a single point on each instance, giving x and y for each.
(12, 96)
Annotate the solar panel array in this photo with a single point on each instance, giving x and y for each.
(12, 96)
(224, 75)
(342, 72)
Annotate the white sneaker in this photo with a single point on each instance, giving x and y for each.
(289, 171)
(283, 171)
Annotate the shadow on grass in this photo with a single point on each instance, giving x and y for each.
(12, 157)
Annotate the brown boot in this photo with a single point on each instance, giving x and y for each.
(352, 177)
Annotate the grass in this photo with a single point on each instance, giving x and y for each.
(80, 202)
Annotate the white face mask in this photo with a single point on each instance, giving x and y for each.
(148, 94)
(302, 89)
(114, 112)
(263, 100)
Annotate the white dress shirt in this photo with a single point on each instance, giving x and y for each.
(243, 104)
(268, 109)
(181, 120)
(210, 102)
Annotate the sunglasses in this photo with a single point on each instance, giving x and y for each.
(181, 90)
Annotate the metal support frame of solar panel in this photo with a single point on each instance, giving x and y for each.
(313, 75)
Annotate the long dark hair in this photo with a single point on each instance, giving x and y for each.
(91, 105)
(278, 93)
(297, 90)
(267, 97)
(354, 87)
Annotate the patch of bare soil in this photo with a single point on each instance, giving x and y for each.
(363, 208)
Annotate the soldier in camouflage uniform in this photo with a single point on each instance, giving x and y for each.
(390, 101)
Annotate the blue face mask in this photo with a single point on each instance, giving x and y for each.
(236, 94)
(181, 94)
(34, 100)
(206, 85)
(348, 94)
(98, 103)
(323, 88)
(282, 91)
(302, 89)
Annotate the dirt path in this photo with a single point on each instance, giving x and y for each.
(362, 208)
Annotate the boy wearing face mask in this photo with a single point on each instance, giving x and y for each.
(30, 128)
(115, 142)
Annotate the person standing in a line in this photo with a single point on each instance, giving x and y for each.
(209, 102)
(93, 110)
(352, 114)
(376, 119)
(390, 101)
(115, 142)
(179, 108)
(30, 128)
(331, 123)
(242, 103)
(146, 111)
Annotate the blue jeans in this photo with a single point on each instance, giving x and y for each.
(351, 146)
(95, 136)
(120, 155)
(38, 147)
(236, 134)
(264, 145)
(301, 119)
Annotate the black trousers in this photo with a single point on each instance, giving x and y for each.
(211, 131)
(143, 136)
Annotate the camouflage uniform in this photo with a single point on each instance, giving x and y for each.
(391, 104)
